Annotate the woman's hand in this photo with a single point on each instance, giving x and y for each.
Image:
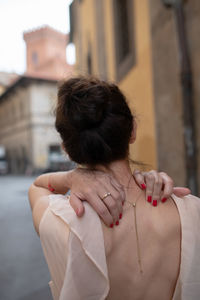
(92, 186)
(158, 185)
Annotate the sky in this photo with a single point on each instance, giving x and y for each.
(17, 16)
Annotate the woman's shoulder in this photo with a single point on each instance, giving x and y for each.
(189, 202)
(46, 211)
(59, 208)
(59, 202)
(189, 210)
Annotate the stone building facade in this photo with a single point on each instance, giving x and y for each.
(27, 106)
(6, 79)
(27, 125)
(135, 43)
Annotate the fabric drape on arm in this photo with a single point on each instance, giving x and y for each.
(188, 285)
(78, 269)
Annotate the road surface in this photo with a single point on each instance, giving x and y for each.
(23, 271)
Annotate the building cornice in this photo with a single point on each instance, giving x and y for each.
(24, 81)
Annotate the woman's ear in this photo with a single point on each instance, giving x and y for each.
(133, 133)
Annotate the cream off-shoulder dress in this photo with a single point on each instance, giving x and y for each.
(88, 261)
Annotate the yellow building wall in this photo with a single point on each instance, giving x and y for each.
(137, 84)
(86, 25)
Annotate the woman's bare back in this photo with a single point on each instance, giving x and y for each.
(159, 232)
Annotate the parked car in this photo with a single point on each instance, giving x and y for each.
(3, 160)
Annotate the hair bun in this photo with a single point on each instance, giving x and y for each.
(94, 121)
(83, 112)
(94, 148)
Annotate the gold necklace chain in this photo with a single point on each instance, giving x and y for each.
(136, 231)
(137, 236)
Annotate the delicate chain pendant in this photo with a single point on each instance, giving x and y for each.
(137, 236)
(137, 239)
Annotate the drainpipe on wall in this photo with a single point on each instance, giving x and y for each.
(187, 96)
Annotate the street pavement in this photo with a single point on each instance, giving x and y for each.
(23, 270)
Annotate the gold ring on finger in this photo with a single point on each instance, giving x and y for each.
(106, 195)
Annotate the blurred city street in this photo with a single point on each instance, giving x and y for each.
(149, 49)
(23, 271)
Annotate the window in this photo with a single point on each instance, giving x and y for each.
(14, 112)
(21, 109)
(101, 43)
(55, 149)
(123, 33)
(35, 58)
(89, 61)
(72, 21)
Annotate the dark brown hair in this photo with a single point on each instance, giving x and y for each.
(94, 121)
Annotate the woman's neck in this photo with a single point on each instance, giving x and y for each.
(121, 171)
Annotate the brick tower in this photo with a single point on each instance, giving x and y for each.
(46, 53)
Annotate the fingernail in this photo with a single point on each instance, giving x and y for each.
(149, 199)
(117, 223)
(120, 216)
(143, 186)
(155, 203)
(111, 225)
(51, 189)
(164, 200)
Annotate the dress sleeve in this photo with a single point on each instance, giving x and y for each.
(54, 235)
(81, 265)
(189, 210)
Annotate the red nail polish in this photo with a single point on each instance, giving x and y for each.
(111, 225)
(155, 202)
(51, 189)
(120, 216)
(117, 223)
(143, 186)
(149, 199)
(164, 200)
